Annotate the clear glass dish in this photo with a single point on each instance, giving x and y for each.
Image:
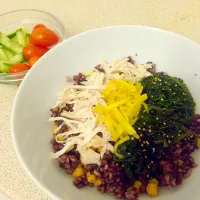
(29, 18)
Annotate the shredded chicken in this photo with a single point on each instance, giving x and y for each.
(83, 127)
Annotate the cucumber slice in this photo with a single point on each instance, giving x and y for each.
(14, 39)
(11, 34)
(8, 53)
(21, 38)
(17, 58)
(1, 46)
(10, 44)
(3, 55)
(27, 39)
(26, 30)
(4, 67)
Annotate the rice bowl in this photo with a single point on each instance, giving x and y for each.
(39, 165)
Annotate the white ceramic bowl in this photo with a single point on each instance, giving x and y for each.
(32, 134)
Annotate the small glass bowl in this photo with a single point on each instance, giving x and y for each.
(13, 20)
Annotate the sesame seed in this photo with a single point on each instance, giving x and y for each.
(149, 130)
(139, 128)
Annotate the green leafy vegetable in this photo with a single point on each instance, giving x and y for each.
(171, 108)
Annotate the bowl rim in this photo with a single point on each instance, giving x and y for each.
(19, 155)
(63, 32)
(35, 10)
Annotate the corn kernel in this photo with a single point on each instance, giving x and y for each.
(97, 182)
(152, 189)
(91, 178)
(153, 181)
(88, 73)
(198, 143)
(137, 184)
(60, 138)
(79, 171)
(54, 127)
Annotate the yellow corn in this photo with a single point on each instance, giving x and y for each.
(88, 73)
(60, 138)
(198, 143)
(152, 189)
(91, 178)
(153, 181)
(79, 171)
(137, 184)
(97, 182)
(54, 127)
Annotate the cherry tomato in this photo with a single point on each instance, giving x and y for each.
(39, 26)
(20, 67)
(43, 37)
(34, 50)
(33, 60)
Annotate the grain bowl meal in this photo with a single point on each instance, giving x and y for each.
(125, 129)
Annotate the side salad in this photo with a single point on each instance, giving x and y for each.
(21, 48)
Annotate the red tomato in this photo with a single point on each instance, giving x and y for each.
(43, 37)
(34, 50)
(39, 26)
(33, 60)
(20, 67)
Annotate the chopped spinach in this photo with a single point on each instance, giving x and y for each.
(171, 108)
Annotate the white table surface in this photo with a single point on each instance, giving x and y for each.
(180, 16)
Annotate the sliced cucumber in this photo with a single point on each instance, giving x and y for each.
(4, 67)
(11, 34)
(26, 30)
(10, 44)
(3, 55)
(27, 39)
(1, 46)
(8, 53)
(17, 58)
(21, 38)
(14, 39)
